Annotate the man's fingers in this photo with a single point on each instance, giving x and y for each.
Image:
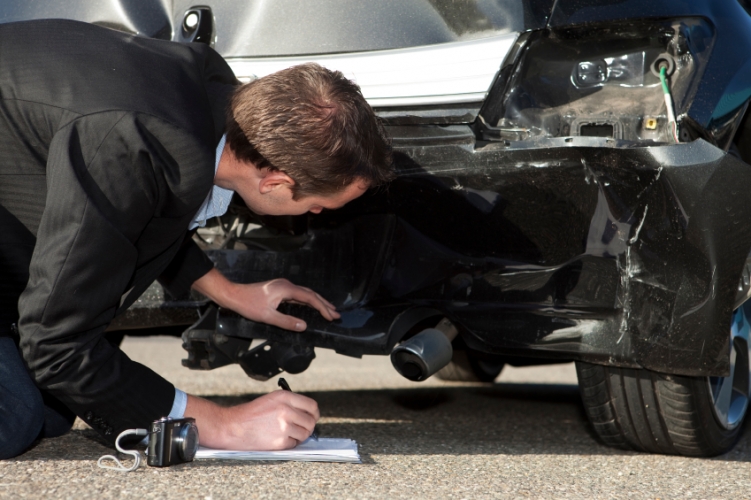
(330, 306)
(276, 421)
(326, 302)
(298, 433)
(314, 300)
(316, 294)
(288, 443)
(301, 419)
(304, 404)
(332, 310)
(285, 321)
(304, 295)
(298, 422)
(320, 297)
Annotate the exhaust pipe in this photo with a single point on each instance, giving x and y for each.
(419, 357)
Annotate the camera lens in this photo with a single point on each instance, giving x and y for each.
(187, 441)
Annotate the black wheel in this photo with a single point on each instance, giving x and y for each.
(658, 413)
(467, 368)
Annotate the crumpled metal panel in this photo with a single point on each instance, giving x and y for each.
(576, 248)
(628, 256)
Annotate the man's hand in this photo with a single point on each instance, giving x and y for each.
(259, 301)
(275, 421)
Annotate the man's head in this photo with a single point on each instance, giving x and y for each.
(309, 130)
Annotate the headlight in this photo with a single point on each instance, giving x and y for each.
(601, 81)
(626, 70)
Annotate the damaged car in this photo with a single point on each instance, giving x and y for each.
(571, 187)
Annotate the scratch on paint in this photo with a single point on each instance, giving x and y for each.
(627, 274)
(646, 188)
(706, 299)
(638, 228)
(588, 174)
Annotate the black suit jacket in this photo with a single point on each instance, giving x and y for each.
(107, 145)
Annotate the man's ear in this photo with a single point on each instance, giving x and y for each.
(272, 180)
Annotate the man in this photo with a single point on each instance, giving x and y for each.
(110, 144)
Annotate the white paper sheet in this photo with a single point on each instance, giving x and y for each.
(323, 450)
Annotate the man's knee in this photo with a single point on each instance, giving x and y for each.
(58, 418)
(21, 421)
(21, 403)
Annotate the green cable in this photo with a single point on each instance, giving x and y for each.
(664, 80)
(668, 102)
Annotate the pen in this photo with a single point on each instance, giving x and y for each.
(285, 386)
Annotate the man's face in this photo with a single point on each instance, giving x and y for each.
(278, 200)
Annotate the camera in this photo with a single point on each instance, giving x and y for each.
(172, 441)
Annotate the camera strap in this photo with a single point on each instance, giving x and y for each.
(134, 453)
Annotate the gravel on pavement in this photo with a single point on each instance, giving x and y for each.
(524, 436)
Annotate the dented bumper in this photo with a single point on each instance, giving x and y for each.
(578, 248)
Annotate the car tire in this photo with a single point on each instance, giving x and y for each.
(658, 413)
(464, 367)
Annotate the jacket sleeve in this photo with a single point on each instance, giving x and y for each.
(189, 264)
(101, 193)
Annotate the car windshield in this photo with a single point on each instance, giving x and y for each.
(262, 28)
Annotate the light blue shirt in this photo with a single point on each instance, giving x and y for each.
(179, 404)
(215, 205)
(177, 411)
(217, 202)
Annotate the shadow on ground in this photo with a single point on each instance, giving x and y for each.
(504, 418)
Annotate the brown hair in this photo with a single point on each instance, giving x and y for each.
(312, 124)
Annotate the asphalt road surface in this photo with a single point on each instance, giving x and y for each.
(524, 436)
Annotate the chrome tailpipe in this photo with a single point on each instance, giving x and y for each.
(419, 357)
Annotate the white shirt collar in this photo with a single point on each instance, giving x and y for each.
(217, 201)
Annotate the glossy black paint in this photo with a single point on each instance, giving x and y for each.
(578, 249)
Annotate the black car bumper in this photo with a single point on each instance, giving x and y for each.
(576, 248)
